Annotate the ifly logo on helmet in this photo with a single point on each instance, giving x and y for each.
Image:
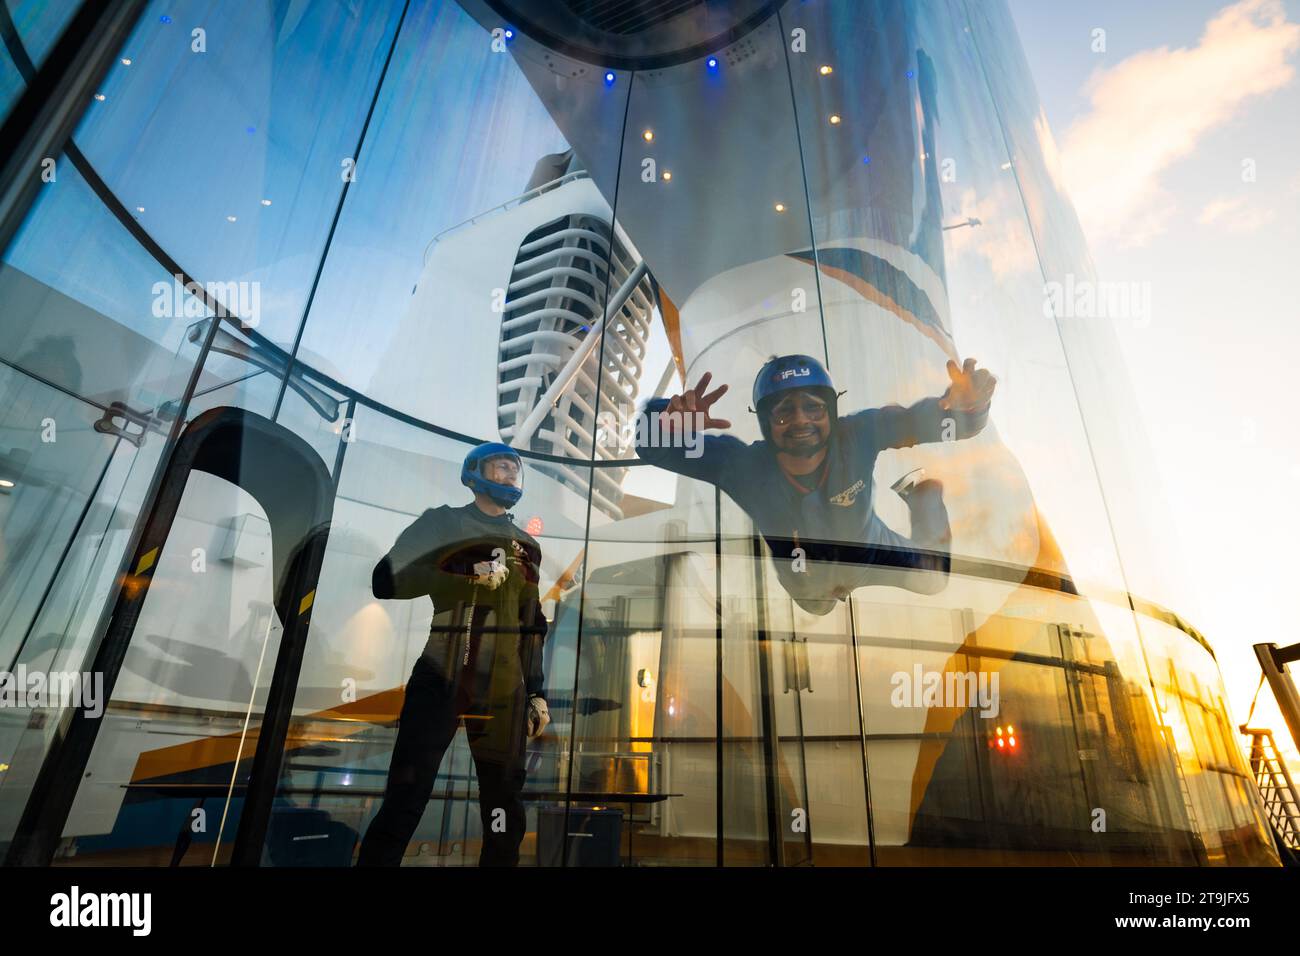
(794, 373)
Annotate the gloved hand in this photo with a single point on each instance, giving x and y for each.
(490, 574)
(538, 716)
(971, 390)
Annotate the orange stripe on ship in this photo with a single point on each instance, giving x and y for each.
(381, 708)
(872, 294)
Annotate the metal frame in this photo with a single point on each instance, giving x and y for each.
(1273, 661)
(41, 122)
(293, 485)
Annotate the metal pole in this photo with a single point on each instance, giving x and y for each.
(719, 723)
(775, 834)
(1273, 661)
(56, 95)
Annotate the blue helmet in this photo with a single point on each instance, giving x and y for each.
(471, 473)
(781, 373)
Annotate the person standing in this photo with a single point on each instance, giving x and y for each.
(482, 664)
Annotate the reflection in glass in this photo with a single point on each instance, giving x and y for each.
(820, 519)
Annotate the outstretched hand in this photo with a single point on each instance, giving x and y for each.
(971, 389)
(698, 401)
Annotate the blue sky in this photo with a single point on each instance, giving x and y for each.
(1153, 134)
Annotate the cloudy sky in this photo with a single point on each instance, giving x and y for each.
(1180, 143)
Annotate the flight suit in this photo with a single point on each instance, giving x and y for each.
(844, 543)
(481, 664)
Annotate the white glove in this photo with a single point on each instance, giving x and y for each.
(538, 716)
(490, 574)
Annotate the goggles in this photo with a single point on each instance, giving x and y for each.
(812, 409)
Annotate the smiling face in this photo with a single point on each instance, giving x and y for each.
(800, 422)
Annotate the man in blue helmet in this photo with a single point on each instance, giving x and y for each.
(808, 483)
(482, 663)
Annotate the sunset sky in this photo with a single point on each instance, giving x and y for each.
(1155, 133)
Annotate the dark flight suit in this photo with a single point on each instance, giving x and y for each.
(845, 542)
(482, 663)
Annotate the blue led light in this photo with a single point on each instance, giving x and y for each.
(609, 79)
(250, 130)
(911, 73)
(510, 34)
(867, 160)
(713, 63)
(165, 19)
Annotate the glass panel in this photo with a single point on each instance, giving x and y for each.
(232, 135)
(504, 241)
(91, 376)
(1211, 769)
(1085, 309)
(345, 763)
(728, 296)
(99, 341)
(172, 756)
(749, 657)
(29, 28)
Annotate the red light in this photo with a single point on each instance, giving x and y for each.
(534, 526)
(1001, 742)
(1013, 741)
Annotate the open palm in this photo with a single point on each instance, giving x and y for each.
(971, 388)
(698, 401)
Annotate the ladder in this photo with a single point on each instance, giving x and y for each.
(1275, 786)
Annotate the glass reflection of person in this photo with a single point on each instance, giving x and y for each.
(808, 484)
(482, 664)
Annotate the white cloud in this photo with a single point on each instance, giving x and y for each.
(1220, 208)
(1235, 215)
(1001, 239)
(1151, 109)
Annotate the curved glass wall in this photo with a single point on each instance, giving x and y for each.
(299, 261)
(28, 29)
